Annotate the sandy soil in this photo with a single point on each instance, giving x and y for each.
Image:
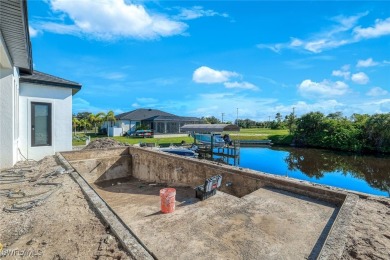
(369, 233)
(61, 227)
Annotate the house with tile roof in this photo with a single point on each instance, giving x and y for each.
(159, 121)
(35, 107)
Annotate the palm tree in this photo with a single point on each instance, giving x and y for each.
(85, 124)
(92, 120)
(75, 123)
(100, 118)
(110, 117)
(96, 119)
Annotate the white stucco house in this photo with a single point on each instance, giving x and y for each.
(160, 122)
(35, 108)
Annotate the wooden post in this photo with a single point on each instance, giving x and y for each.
(212, 145)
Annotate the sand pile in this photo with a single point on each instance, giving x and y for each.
(104, 143)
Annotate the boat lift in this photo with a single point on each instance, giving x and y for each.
(213, 146)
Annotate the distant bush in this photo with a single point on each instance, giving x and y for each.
(360, 133)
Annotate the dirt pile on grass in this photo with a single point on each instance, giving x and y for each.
(104, 143)
(63, 226)
(369, 233)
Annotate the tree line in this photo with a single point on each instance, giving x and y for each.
(84, 121)
(357, 133)
(277, 123)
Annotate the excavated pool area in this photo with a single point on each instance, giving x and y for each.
(253, 215)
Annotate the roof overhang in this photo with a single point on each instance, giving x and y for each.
(210, 128)
(74, 88)
(48, 80)
(15, 33)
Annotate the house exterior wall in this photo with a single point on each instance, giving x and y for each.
(127, 125)
(124, 125)
(9, 99)
(61, 119)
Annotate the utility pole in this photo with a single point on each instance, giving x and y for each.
(269, 121)
(222, 117)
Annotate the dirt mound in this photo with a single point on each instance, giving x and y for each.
(104, 143)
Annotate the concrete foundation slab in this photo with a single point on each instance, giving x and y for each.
(265, 224)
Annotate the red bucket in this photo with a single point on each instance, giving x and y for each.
(168, 196)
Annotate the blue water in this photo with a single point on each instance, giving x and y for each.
(366, 174)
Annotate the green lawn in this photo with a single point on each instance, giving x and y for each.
(277, 136)
(159, 141)
(135, 140)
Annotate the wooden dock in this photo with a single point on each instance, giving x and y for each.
(226, 154)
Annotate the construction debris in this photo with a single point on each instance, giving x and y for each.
(61, 225)
(104, 143)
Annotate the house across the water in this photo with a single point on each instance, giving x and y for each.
(35, 108)
(159, 121)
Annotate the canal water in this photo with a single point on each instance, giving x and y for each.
(368, 174)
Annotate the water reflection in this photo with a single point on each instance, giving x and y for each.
(322, 166)
(315, 163)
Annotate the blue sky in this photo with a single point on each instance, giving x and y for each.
(205, 58)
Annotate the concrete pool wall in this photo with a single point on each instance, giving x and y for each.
(149, 165)
(153, 166)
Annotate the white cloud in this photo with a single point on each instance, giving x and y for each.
(381, 28)
(320, 45)
(377, 91)
(302, 107)
(360, 78)
(366, 63)
(322, 89)
(208, 75)
(296, 42)
(243, 85)
(111, 19)
(33, 32)
(197, 12)
(82, 105)
(340, 73)
(343, 72)
(211, 76)
(333, 37)
(344, 31)
(273, 47)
